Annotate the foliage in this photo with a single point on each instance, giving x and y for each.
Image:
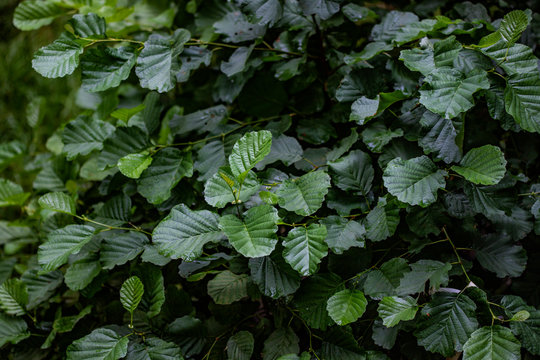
(271, 179)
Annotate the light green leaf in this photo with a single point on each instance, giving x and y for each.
(449, 92)
(304, 195)
(131, 293)
(158, 63)
(89, 26)
(450, 323)
(512, 25)
(492, 343)
(169, 166)
(346, 306)
(13, 297)
(274, 277)
(61, 243)
(118, 248)
(521, 97)
(353, 172)
(382, 221)
(84, 135)
(484, 165)
(154, 349)
(228, 287)
(183, 233)
(58, 59)
(255, 234)
(100, 344)
(414, 181)
(497, 253)
(248, 151)
(12, 330)
(11, 194)
(106, 67)
(304, 247)
(393, 309)
(133, 165)
(343, 233)
(58, 201)
(223, 188)
(33, 14)
(281, 342)
(240, 346)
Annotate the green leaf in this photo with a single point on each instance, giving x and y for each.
(392, 24)
(223, 188)
(450, 323)
(237, 28)
(312, 297)
(274, 277)
(240, 346)
(497, 253)
(393, 309)
(10, 151)
(423, 270)
(133, 165)
(154, 349)
(116, 211)
(304, 247)
(58, 59)
(154, 290)
(81, 273)
(323, 8)
(13, 297)
(520, 316)
(100, 344)
(364, 109)
(343, 233)
(124, 141)
(58, 201)
(255, 234)
(343, 146)
(449, 92)
(158, 63)
(40, 287)
(484, 165)
(248, 151)
(281, 342)
(199, 121)
(228, 287)
(33, 14)
(304, 195)
(376, 136)
(183, 233)
(12, 330)
(515, 60)
(84, 135)
(353, 172)
(346, 306)
(67, 323)
(512, 25)
(528, 331)
(426, 61)
(492, 343)
(385, 281)
(118, 248)
(439, 137)
(11, 194)
(382, 221)
(209, 159)
(521, 99)
(414, 181)
(90, 26)
(131, 293)
(370, 50)
(237, 61)
(105, 67)
(169, 166)
(285, 149)
(61, 243)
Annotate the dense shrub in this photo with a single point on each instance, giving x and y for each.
(296, 179)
